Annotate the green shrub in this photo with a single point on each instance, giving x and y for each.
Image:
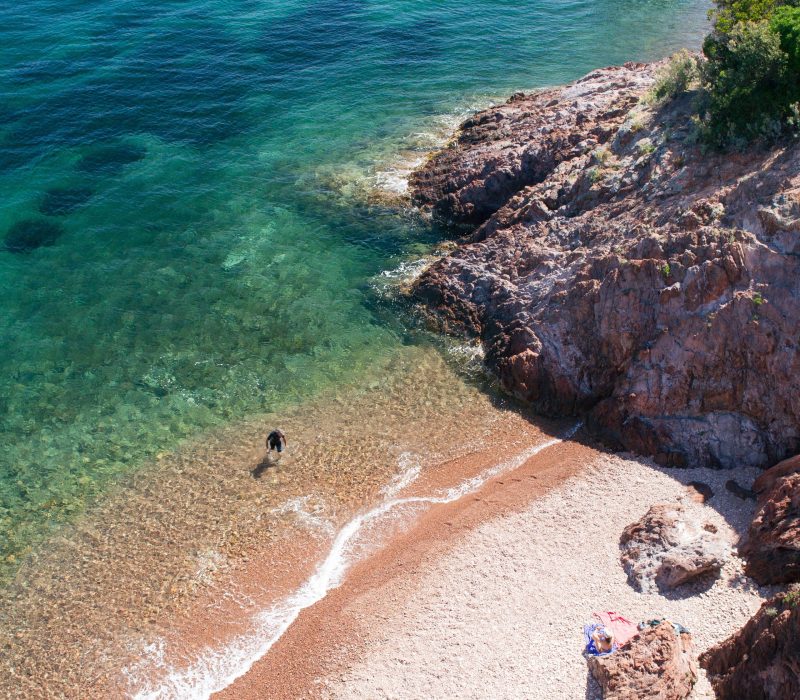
(645, 147)
(729, 13)
(786, 24)
(676, 77)
(791, 599)
(601, 155)
(747, 84)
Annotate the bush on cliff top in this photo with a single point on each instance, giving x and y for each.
(677, 77)
(786, 24)
(745, 79)
(750, 76)
(729, 13)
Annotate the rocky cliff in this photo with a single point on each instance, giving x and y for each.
(760, 662)
(611, 267)
(772, 546)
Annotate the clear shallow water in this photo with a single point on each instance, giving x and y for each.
(198, 166)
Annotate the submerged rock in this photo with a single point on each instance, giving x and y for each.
(772, 547)
(760, 661)
(110, 160)
(29, 234)
(615, 269)
(64, 200)
(657, 663)
(667, 547)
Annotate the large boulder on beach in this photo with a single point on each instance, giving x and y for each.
(668, 547)
(760, 661)
(772, 547)
(614, 268)
(657, 663)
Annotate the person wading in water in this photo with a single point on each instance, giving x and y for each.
(276, 440)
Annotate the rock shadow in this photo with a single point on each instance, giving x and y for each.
(697, 586)
(593, 690)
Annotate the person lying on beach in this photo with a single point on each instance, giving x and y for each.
(603, 639)
(276, 440)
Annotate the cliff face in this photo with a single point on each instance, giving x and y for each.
(614, 269)
(760, 660)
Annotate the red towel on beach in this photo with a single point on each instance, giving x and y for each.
(622, 628)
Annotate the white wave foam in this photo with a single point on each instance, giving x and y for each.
(218, 668)
(309, 512)
(409, 471)
(390, 283)
(394, 177)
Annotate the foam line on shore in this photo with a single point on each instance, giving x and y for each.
(219, 668)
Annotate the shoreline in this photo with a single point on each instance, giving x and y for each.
(418, 617)
(289, 671)
(115, 588)
(235, 621)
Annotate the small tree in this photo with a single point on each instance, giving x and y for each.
(747, 81)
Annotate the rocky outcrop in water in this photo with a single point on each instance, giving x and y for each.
(668, 547)
(760, 661)
(656, 663)
(772, 548)
(612, 268)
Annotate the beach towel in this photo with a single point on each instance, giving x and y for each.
(622, 628)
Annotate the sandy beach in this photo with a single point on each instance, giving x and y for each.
(486, 597)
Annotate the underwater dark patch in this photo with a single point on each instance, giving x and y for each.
(29, 234)
(60, 201)
(110, 160)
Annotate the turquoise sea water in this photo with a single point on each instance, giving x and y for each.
(195, 170)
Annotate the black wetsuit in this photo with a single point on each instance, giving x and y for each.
(276, 440)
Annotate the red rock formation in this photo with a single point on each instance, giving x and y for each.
(760, 661)
(767, 480)
(656, 663)
(772, 548)
(617, 270)
(667, 547)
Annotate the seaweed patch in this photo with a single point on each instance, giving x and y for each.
(110, 160)
(29, 234)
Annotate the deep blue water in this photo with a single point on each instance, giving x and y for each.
(194, 172)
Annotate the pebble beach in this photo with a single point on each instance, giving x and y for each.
(487, 597)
